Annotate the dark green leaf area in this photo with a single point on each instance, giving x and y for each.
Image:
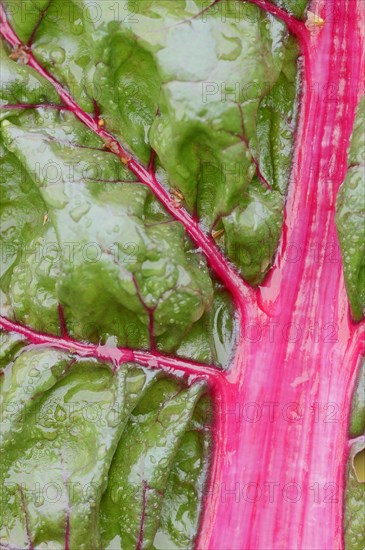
(350, 217)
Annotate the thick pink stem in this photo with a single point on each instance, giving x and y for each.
(118, 356)
(281, 434)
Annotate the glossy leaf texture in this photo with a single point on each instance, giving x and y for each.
(99, 456)
(82, 445)
(357, 422)
(354, 501)
(213, 92)
(350, 219)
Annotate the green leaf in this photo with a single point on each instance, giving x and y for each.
(355, 485)
(79, 438)
(104, 246)
(10, 344)
(63, 421)
(61, 41)
(357, 421)
(212, 338)
(350, 218)
(211, 122)
(354, 499)
(21, 210)
(97, 457)
(185, 486)
(252, 231)
(206, 135)
(131, 505)
(20, 85)
(296, 7)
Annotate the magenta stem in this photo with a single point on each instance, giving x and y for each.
(34, 106)
(277, 475)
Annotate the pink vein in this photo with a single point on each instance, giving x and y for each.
(24, 508)
(67, 517)
(42, 13)
(34, 106)
(63, 325)
(224, 270)
(118, 356)
(143, 516)
(294, 25)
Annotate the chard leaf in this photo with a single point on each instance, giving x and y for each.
(296, 7)
(141, 465)
(185, 486)
(252, 231)
(21, 85)
(350, 217)
(214, 123)
(20, 206)
(98, 456)
(10, 344)
(104, 259)
(357, 421)
(64, 418)
(81, 442)
(210, 107)
(354, 500)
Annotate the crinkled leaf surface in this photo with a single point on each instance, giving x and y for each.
(97, 457)
(131, 506)
(351, 229)
(63, 421)
(82, 461)
(107, 248)
(214, 95)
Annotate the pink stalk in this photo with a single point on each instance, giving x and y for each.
(139, 545)
(277, 478)
(282, 408)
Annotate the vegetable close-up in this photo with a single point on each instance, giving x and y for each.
(182, 274)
